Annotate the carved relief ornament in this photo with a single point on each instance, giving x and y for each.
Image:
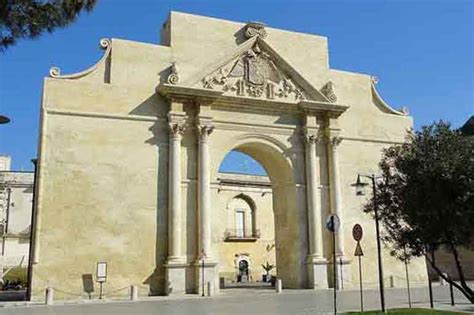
(254, 74)
(255, 29)
(173, 77)
(328, 91)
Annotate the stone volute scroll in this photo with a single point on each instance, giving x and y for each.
(328, 91)
(253, 29)
(105, 44)
(173, 77)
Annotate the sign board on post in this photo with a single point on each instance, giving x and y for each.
(358, 250)
(357, 232)
(332, 223)
(101, 274)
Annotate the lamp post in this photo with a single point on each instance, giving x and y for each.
(360, 192)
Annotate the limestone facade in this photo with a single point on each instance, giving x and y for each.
(130, 151)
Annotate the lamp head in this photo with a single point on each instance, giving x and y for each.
(4, 119)
(360, 187)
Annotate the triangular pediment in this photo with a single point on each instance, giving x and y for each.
(255, 70)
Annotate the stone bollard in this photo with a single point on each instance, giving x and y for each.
(133, 293)
(49, 296)
(209, 288)
(442, 281)
(278, 286)
(392, 281)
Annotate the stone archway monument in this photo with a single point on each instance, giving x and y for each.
(253, 79)
(130, 150)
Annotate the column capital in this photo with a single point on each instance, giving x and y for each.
(205, 131)
(312, 138)
(335, 141)
(176, 129)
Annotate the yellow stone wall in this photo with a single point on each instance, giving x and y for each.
(103, 163)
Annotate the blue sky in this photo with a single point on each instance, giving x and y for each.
(422, 52)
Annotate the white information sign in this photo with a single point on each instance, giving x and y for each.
(101, 271)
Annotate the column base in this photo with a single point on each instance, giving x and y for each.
(317, 272)
(209, 284)
(176, 276)
(343, 272)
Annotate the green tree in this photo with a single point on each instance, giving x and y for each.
(30, 18)
(426, 198)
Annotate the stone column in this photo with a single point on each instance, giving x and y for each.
(204, 183)
(206, 265)
(316, 262)
(175, 252)
(336, 198)
(343, 272)
(176, 262)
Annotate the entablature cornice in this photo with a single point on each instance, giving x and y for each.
(316, 107)
(217, 98)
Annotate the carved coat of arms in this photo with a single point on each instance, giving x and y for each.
(254, 74)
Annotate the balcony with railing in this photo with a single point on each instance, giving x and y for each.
(241, 235)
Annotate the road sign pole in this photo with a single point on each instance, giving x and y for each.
(451, 293)
(408, 283)
(357, 233)
(360, 285)
(332, 224)
(334, 263)
(203, 276)
(342, 275)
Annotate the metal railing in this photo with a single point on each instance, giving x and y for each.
(241, 234)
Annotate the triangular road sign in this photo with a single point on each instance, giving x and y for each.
(358, 250)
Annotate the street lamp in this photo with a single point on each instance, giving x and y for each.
(4, 120)
(359, 185)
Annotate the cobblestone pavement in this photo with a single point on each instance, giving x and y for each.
(251, 301)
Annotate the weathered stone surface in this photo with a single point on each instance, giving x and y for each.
(104, 159)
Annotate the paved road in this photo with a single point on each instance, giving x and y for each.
(250, 301)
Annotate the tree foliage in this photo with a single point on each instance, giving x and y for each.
(426, 197)
(30, 18)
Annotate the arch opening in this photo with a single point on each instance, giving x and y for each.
(264, 211)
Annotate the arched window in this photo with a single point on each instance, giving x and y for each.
(241, 219)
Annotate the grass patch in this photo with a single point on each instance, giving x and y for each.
(411, 311)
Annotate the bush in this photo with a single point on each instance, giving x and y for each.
(17, 274)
